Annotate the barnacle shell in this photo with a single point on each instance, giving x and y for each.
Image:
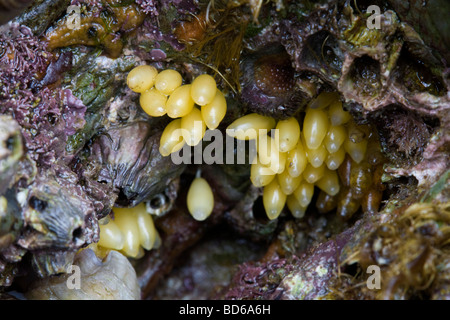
(112, 278)
(128, 158)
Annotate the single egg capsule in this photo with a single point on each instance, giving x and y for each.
(269, 155)
(171, 138)
(141, 78)
(273, 199)
(180, 102)
(294, 207)
(338, 116)
(214, 112)
(334, 160)
(200, 199)
(311, 174)
(357, 133)
(288, 132)
(203, 89)
(250, 126)
(296, 160)
(347, 204)
(336, 136)
(373, 152)
(344, 171)
(193, 127)
(360, 179)
(329, 182)
(147, 231)
(304, 193)
(325, 203)
(357, 151)
(167, 81)
(153, 102)
(126, 221)
(377, 177)
(371, 201)
(324, 99)
(287, 183)
(261, 175)
(110, 236)
(316, 157)
(315, 127)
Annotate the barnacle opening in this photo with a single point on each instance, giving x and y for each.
(322, 52)
(416, 75)
(365, 77)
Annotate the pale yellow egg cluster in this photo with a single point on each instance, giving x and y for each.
(131, 231)
(194, 106)
(293, 160)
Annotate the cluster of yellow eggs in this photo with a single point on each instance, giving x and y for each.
(293, 160)
(130, 232)
(194, 106)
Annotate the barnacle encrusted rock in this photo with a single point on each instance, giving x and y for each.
(81, 145)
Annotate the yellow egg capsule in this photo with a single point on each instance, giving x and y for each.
(329, 182)
(167, 81)
(250, 126)
(269, 155)
(338, 115)
(141, 78)
(171, 138)
(315, 127)
(214, 112)
(287, 183)
(261, 175)
(147, 231)
(110, 236)
(304, 193)
(335, 138)
(153, 102)
(180, 102)
(288, 132)
(295, 208)
(126, 221)
(203, 89)
(200, 199)
(357, 151)
(273, 199)
(316, 157)
(324, 99)
(334, 160)
(296, 160)
(311, 174)
(193, 127)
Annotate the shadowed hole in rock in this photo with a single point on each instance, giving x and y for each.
(404, 134)
(123, 200)
(416, 76)
(259, 212)
(37, 204)
(77, 234)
